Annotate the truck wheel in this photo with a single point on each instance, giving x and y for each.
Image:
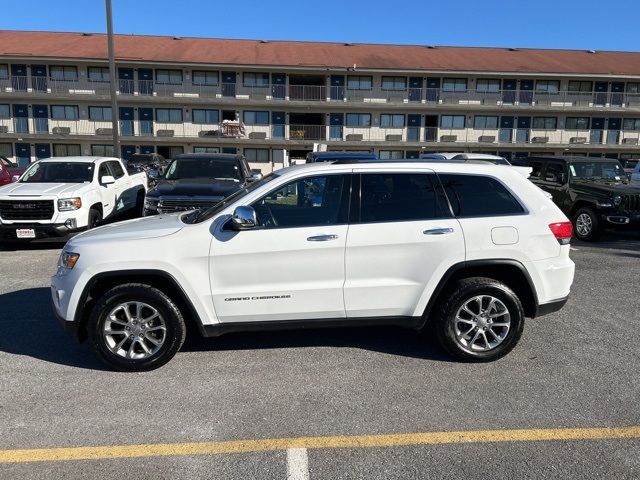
(94, 218)
(139, 209)
(136, 327)
(586, 224)
(481, 320)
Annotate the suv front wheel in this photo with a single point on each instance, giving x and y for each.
(481, 320)
(136, 327)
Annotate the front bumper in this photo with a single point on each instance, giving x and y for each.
(42, 231)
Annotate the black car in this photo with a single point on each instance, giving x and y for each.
(592, 192)
(152, 163)
(198, 180)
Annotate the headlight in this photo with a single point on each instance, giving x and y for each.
(67, 204)
(68, 260)
(617, 200)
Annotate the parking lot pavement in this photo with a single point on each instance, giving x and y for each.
(577, 368)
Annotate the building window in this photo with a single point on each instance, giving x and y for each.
(631, 87)
(4, 72)
(100, 114)
(64, 112)
(205, 116)
(206, 150)
(255, 117)
(66, 150)
(394, 83)
(452, 121)
(388, 120)
(358, 119)
(169, 115)
(102, 150)
(488, 85)
(57, 72)
(253, 79)
(202, 77)
(579, 86)
(631, 124)
(390, 154)
(482, 122)
(98, 74)
(6, 150)
(359, 82)
(577, 123)
(256, 155)
(454, 84)
(5, 112)
(169, 77)
(545, 123)
(548, 86)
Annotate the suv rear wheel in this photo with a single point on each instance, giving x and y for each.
(481, 320)
(586, 224)
(136, 327)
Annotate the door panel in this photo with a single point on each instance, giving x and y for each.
(145, 81)
(40, 118)
(107, 192)
(43, 150)
(509, 91)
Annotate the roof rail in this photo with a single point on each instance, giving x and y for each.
(346, 161)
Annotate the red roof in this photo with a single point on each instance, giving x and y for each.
(134, 48)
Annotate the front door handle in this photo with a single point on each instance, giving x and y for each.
(322, 238)
(438, 231)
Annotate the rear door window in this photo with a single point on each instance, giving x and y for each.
(479, 196)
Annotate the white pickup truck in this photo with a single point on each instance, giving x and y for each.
(59, 196)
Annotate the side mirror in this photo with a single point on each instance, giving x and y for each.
(254, 177)
(15, 178)
(107, 180)
(244, 218)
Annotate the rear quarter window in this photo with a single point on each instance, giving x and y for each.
(479, 196)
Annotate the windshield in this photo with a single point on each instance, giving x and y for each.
(202, 215)
(597, 170)
(58, 172)
(204, 168)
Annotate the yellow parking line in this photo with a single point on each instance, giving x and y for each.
(355, 441)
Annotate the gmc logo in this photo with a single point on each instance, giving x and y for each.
(25, 206)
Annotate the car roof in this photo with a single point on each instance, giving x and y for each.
(79, 159)
(215, 156)
(569, 159)
(342, 155)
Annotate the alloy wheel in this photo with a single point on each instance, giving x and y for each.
(482, 323)
(584, 224)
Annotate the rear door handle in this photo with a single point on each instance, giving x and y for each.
(438, 231)
(322, 238)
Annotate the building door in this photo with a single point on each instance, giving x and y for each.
(145, 120)
(523, 129)
(278, 120)
(337, 87)
(505, 135)
(600, 93)
(415, 89)
(23, 154)
(127, 151)
(21, 118)
(336, 122)
(145, 81)
(43, 150)
(509, 91)
(39, 78)
(228, 84)
(613, 131)
(40, 119)
(526, 92)
(413, 128)
(19, 77)
(278, 85)
(231, 150)
(125, 81)
(433, 90)
(597, 131)
(617, 94)
(431, 128)
(126, 121)
(146, 149)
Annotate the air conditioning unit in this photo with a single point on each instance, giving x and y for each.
(4, 129)
(104, 131)
(394, 138)
(353, 137)
(630, 141)
(258, 135)
(165, 133)
(61, 130)
(578, 140)
(209, 133)
(486, 138)
(540, 140)
(449, 138)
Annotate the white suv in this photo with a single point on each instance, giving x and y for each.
(466, 251)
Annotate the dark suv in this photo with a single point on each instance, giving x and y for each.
(592, 192)
(198, 180)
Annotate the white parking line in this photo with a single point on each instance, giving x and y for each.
(297, 464)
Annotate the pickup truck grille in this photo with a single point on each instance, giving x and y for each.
(26, 209)
(631, 203)
(169, 206)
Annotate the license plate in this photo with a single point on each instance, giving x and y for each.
(26, 233)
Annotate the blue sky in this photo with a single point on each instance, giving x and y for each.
(585, 24)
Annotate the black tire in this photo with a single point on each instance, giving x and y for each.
(593, 232)
(463, 291)
(95, 217)
(175, 329)
(139, 208)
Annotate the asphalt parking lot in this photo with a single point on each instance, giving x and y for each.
(576, 369)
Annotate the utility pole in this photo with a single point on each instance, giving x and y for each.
(112, 72)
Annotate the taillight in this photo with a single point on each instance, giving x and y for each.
(562, 231)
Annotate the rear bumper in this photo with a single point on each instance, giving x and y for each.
(551, 307)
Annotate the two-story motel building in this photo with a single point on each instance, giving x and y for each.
(273, 100)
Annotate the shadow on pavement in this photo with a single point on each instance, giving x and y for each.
(29, 327)
(22, 246)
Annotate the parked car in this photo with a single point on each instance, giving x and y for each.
(59, 196)
(465, 251)
(629, 166)
(593, 192)
(313, 157)
(635, 174)
(198, 180)
(8, 171)
(152, 164)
